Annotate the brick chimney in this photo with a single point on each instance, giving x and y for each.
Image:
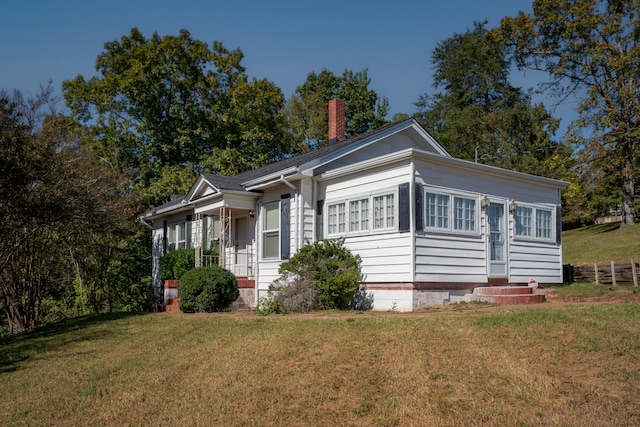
(336, 120)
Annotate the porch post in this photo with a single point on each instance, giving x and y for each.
(198, 240)
(225, 235)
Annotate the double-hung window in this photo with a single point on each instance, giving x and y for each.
(359, 215)
(437, 211)
(337, 218)
(177, 238)
(271, 230)
(448, 212)
(533, 222)
(464, 214)
(384, 212)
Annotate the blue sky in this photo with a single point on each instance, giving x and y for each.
(282, 41)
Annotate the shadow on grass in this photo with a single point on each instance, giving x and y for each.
(23, 346)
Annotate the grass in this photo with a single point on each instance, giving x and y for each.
(554, 364)
(601, 244)
(591, 290)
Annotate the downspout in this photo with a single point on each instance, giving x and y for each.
(258, 240)
(412, 223)
(149, 226)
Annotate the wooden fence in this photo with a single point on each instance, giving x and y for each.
(611, 274)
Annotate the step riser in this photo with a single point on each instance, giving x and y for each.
(509, 299)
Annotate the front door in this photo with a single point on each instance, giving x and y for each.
(497, 242)
(240, 247)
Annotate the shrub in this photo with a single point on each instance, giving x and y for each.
(207, 289)
(174, 264)
(323, 274)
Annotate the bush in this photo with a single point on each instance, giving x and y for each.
(207, 289)
(323, 274)
(174, 264)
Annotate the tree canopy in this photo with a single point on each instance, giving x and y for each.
(174, 101)
(308, 114)
(64, 213)
(479, 115)
(590, 46)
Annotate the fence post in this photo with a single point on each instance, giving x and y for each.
(613, 273)
(595, 267)
(635, 272)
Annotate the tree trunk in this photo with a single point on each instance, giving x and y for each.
(628, 194)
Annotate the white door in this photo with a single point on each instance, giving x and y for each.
(240, 257)
(497, 242)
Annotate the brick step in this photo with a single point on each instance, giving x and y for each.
(505, 295)
(503, 290)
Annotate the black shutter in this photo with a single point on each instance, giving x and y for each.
(419, 208)
(188, 227)
(165, 239)
(319, 219)
(404, 208)
(285, 226)
(558, 225)
(204, 232)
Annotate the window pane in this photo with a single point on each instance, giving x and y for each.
(332, 219)
(354, 216)
(271, 244)
(391, 209)
(378, 212)
(437, 208)
(272, 216)
(523, 221)
(341, 218)
(364, 214)
(464, 214)
(543, 224)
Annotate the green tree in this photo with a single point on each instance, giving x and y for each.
(590, 48)
(60, 207)
(174, 101)
(308, 111)
(479, 115)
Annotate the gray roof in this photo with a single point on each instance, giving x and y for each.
(235, 182)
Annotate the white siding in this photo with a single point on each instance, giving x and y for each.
(450, 258)
(386, 255)
(447, 257)
(308, 211)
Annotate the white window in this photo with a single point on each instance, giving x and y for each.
(271, 230)
(437, 211)
(524, 221)
(464, 214)
(533, 222)
(359, 215)
(177, 238)
(336, 220)
(384, 212)
(451, 212)
(543, 224)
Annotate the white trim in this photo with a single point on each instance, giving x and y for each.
(451, 194)
(534, 208)
(370, 196)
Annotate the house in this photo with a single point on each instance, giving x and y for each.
(428, 227)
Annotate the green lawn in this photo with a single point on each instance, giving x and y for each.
(601, 244)
(552, 364)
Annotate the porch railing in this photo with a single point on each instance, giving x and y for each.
(239, 262)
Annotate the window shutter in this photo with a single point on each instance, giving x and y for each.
(558, 225)
(319, 219)
(404, 208)
(419, 208)
(188, 229)
(164, 237)
(285, 226)
(204, 232)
